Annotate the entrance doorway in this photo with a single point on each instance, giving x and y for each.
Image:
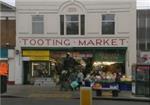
(26, 68)
(33, 70)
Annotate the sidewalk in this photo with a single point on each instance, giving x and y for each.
(31, 91)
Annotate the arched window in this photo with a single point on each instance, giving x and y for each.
(72, 19)
(72, 24)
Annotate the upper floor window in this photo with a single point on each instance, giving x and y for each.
(72, 25)
(108, 24)
(37, 24)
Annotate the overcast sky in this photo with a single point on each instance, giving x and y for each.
(141, 4)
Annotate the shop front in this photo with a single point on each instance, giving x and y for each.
(35, 65)
(50, 62)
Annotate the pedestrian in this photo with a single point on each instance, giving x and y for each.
(80, 78)
(87, 81)
(64, 84)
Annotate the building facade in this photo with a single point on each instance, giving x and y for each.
(143, 36)
(98, 34)
(8, 37)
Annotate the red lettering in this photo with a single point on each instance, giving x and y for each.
(40, 42)
(114, 42)
(32, 41)
(98, 41)
(25, 41)
(90, 43)
(48, 41)
(67, 42)
(105, 41)
(58, 42)
(82, 42)
(122, 41)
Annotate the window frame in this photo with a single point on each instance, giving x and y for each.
(66, 21)
(79, 22)
(112, 21)
(38, 21)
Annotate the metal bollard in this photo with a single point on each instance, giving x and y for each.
(85, 96)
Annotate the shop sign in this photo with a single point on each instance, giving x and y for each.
(73, 42)
(114, 57)
(39, 58)
(35, 58)
(35, 53)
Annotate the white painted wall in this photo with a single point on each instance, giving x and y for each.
(125, 19)
(11, 62)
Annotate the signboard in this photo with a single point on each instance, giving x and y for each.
(35, 53)
(35, 58)
(72, 42)
(110, 56)
(145, 57)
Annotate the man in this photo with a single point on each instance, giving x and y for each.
(3, 76)
(69, 63)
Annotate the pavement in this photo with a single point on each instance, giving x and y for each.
(31, 91)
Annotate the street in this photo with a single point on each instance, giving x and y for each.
(54, 101)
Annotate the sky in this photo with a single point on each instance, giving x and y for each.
(141, 4)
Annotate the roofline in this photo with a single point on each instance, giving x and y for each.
(8, 5)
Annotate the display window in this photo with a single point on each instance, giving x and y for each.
(40, 69)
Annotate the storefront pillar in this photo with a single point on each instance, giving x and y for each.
(18, 68)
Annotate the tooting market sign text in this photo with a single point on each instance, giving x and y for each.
(73, 42)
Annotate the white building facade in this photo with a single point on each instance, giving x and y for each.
(97, 31)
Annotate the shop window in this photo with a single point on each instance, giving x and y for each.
(108, 24)
(72, 25)
(40, 69)
(37, 24)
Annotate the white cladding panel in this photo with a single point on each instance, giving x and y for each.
(51, 24)
(24, 23)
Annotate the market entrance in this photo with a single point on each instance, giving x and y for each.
(39, 64)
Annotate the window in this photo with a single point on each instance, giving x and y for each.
(72, 25)
(108, 24)
(37, 24)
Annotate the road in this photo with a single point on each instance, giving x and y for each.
(54, 101)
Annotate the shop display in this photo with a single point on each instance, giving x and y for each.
(50, 64)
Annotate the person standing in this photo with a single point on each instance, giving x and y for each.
(3, 76)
